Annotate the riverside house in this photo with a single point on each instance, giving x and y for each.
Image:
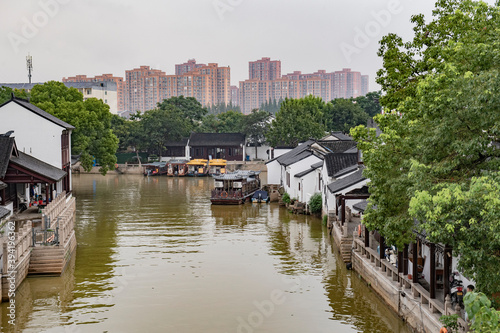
(36, 205)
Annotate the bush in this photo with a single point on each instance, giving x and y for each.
(316, 203)
(286, 198)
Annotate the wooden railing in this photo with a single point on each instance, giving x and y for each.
(20, 247)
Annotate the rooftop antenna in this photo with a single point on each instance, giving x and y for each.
(29, 65)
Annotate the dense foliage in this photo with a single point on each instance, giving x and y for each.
(298, 120)
(315, 203)
(92, 137)
(484, 318)
(437, 160)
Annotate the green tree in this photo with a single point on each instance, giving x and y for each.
(437, 160)
(222, 107)
(92, 137)
(162, 125)
(188, 107)
(255, 126)
(370, 103)
(484, 317)
(344, 114)
(226, 122)
(298, 120)
(6, 94)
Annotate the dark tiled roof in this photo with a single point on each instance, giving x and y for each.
(39, 112)
(343, 183)
(338, 146)
(296, 158)
(303, 173)
(216, 139)
(317, 165)
(341, 136)
(295, 151)
(39, 167)
(352, 150)
(2, 185)
(345, 171)
(336, 162)
(361, 206)
(4, 212)
(6, 145)
(182, 143)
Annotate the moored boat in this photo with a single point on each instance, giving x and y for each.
(197, 168)
(234, 188)
(260, 196)
(177, 168)
(155, 169)
(217, 167)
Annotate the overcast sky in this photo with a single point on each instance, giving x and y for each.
(69, 37)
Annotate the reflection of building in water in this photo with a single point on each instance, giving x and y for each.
(57, 296)
(235, 215)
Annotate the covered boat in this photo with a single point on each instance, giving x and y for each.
(155, 169)
(177, 168)
(235, 188)
(217, 167)
(197, 168)
(260, 196)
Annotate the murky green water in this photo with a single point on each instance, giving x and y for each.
(154, 256)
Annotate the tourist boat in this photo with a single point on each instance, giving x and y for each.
(177, 168)
(155, 168)
(217, 167)
(197, 168)
(235, 188)
(260, 196)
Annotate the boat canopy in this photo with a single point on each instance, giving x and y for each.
(239, 174)
(217, 162)
(156, 164)
(177, 162)
(197, 162)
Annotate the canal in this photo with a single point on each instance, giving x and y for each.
(154, 256)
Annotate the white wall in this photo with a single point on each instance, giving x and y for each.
(309, 186)
(295, 168)
(262, 153)
(273, 172)
(109, 97)
(34, 134)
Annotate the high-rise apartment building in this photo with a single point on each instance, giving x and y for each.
(120, 85)
(365, 85)
(143, 88)
(188, 66)
(347, 84)
(209, 84)
(264, 69)
(235, 95)
(265, 84)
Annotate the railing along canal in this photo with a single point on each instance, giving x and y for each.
(20, 247)
(58, 221)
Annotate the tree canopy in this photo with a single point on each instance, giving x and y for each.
(226, 122)
(298, 120)
(344, 114)
(92, 137)
(437, 160)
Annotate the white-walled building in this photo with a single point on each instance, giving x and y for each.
(39, 135)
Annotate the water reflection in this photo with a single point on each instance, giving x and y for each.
(155, 256)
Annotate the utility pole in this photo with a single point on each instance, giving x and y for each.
(29, 65)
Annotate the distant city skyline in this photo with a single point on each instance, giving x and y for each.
(67, 37)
